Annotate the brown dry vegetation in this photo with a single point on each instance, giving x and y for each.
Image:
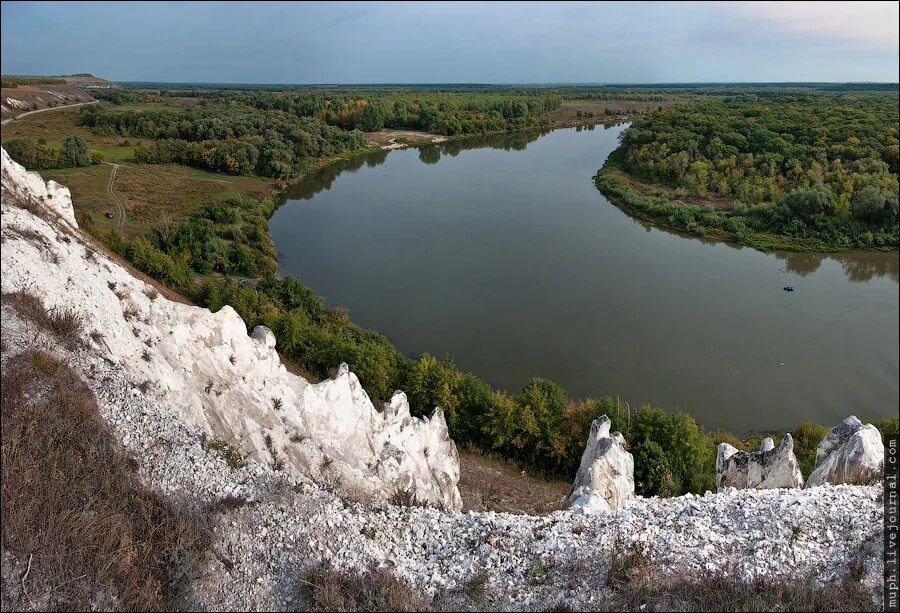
(723, 593)
(53, 125)
(65, 324)
(35, 97)
(326, 589)
(85, 533)
(494, 485)
(713, 199)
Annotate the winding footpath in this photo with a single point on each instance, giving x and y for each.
(120, 222)
(49, 108)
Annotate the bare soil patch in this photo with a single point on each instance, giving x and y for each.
(494, 485)
(397, 139)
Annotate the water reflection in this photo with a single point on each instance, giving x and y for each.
(858, 266)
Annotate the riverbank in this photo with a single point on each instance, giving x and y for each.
(708, 218)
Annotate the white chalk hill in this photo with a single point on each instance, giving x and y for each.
(212, 373)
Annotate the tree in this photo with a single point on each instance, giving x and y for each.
(373, 117)
(75, 151)
(869, 203)
(807, 202)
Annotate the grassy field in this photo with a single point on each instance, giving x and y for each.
(488, 484)
(153, 195)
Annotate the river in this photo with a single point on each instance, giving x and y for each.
(500, 252)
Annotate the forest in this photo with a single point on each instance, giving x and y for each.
(819, 171)
(232, 139)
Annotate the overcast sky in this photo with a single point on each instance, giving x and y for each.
(371, 42)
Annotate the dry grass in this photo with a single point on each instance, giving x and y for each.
(66, 324)
(495, 485)
(724, 593)
(74, 509)
(326, 589)
(406, 497)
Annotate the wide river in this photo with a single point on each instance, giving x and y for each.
(501, 253)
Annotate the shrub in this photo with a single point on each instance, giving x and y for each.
(326, 589)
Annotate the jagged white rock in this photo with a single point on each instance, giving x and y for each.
(605, 479)
(849, 452)
(30, 189)
(216, 376)
(770, 467)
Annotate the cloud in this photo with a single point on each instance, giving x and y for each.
(872, 22)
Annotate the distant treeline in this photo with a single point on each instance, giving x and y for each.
(9, 81)
(443, 112)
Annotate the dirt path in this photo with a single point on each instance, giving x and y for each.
(120, 223)
(50, 108)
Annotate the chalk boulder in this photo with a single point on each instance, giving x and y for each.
(770, 467)
(605, 479)
(849, 453)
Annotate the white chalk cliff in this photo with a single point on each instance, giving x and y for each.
(605, 479)
(211, 372)
(850, 452)
(770, 467)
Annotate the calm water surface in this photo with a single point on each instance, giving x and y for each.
(503, 254)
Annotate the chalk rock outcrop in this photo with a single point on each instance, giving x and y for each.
(770, 467)
(850, 452)
(605, 479)
(211, 373)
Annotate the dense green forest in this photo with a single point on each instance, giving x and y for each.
(809, 171)
(233, 139)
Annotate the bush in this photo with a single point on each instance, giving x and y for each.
(326, 589)
(75, 152)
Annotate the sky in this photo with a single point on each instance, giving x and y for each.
(456, 42)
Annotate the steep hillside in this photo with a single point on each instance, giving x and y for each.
(29, 95)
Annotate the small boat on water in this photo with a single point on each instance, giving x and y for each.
(788, 288)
